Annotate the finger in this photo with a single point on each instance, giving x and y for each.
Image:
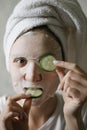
(70, 84)
(20, 111)
(11, 115)
(11, 103)
(73, 93)
(27, 105)
(15, 107)
(69, 66)
(66, 84)
(19, 97)
(81, 79)
(65, 80)
(79, 87)
(60, 72)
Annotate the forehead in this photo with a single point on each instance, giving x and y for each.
(38, 41)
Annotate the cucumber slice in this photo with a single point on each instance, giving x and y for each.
(46, 63)
(34, 92)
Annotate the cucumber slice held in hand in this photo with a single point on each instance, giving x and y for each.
(46, 62)
(34, 92)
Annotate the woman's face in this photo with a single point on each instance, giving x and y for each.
(24, 69)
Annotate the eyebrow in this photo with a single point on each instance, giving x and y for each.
(18, 55)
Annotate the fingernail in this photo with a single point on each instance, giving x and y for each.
(27, 95)
(56, 62)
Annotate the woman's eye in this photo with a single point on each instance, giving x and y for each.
(20, 61)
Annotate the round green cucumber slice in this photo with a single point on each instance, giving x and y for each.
(34, 92)
(46, 63)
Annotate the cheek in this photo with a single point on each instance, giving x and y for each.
(16, 79)
(52, 80)
(51, 77)
(15, 74)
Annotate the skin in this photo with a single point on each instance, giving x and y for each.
(73, 85)
(18, 115)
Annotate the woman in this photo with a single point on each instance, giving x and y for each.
(36, 32)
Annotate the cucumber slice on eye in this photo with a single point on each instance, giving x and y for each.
(46, 63)
(34, 92)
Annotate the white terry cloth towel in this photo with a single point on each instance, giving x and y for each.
(63, 17)
(2, 102)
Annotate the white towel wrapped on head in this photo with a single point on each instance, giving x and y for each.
(63, 17)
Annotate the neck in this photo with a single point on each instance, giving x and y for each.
(43, 112)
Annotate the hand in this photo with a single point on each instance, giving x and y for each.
(73, 84)
(13, 112)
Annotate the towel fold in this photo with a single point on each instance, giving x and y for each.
(63, 17)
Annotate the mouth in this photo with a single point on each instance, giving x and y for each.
(33, 92)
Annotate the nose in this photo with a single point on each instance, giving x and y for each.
(32, 72)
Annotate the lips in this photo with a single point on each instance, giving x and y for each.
(34, 92)
(33, 88)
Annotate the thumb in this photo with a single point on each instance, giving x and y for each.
(60, 72)
(27, 105)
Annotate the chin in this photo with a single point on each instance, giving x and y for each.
(38, 102)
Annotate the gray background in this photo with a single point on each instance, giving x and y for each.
(6, 7)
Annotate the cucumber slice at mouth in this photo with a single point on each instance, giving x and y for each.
(46, 63)
(34, 92)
